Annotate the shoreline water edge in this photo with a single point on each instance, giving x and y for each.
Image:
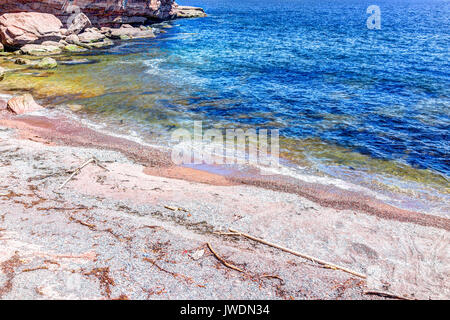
(130, 224)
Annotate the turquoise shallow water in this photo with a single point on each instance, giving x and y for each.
(349, 102)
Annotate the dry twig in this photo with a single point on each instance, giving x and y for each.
(302, 255)
(386, 294)
(78, 170)
(223, 261)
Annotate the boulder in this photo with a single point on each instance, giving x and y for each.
(40, 50)
(23, 104)
(89, 37)
(47, 63)
(189, 12)
(105, 30)
(18, 29)
(78, 24)
(72, 39)
(130, 33)
(53, 43)
(92, 30)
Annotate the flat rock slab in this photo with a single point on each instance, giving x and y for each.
(125, 233)
(40, 50)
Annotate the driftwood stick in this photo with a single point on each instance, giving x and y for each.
(78, 170)
(226, 233)
(326, 264)
(386, 294)
(223, 261)
(272, 276)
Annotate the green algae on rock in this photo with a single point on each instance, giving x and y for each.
(74, 48)
(40, 50)
(47, 63)
(2, 73)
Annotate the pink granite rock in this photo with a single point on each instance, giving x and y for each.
(100, 12)
(104, 12)
(23, 104)
(78, 23)
(17, 29)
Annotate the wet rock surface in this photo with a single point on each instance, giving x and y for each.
(23, 104)
(2, 73)
(40, 49)
(47, 63)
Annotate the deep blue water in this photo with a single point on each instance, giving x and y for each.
(310, 68)
(301, 61)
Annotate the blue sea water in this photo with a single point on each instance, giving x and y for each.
(310, 68)
(301, 60)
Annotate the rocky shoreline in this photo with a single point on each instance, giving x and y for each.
(42, 34)
(33, 40)
(131, 225)
(106, 12)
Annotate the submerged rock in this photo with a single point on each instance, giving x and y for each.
(78, 61)
(74, 48)
(75, 107)
(40, 50)
(23, 104)
(47, 63)
(103, 44)
(2, 73)
(18, 29)
(24, 62)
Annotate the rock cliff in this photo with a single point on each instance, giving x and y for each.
(104, 12)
